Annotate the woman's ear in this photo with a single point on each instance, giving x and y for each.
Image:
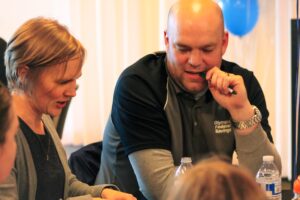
(22, 73)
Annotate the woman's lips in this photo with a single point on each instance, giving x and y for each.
(61, 104)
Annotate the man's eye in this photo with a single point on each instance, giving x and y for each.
(183, 49)
(207, 50)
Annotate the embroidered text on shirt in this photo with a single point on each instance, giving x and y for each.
(222, 127)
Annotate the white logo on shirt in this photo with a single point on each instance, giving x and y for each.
(222, 127)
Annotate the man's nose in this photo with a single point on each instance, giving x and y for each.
(195, 58)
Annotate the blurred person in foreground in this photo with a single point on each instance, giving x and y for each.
(43, 62)
(2, 66)
(178, 103)
(216, 179)
(8, 129)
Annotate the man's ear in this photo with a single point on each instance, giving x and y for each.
(225, 42)
(166, 39)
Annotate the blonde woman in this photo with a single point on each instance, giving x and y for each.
(43, 62)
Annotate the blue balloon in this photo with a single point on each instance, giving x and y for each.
(240, 15)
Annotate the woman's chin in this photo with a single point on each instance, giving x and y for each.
(54, 113)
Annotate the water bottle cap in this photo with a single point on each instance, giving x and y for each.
(186, 159)
(297, 185)
(268, 158)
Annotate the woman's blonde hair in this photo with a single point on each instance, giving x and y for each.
(215, 179)
(38, 43)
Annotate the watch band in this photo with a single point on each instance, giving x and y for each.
(255, 119)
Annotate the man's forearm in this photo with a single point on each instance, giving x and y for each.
(252, 147)
(154, 170)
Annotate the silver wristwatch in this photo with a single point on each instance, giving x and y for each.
(255, 119)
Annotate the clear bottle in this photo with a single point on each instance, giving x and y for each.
(269, 178)
(186, 163)
(296, 189)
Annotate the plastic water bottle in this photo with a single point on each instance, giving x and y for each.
(269, 178)
(186, 163)
(296, 189)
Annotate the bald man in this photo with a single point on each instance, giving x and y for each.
(186, 101)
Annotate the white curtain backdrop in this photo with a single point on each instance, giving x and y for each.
(118, 32)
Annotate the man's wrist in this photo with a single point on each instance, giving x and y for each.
(254, 120)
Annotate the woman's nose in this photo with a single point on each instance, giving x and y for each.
(71, 91)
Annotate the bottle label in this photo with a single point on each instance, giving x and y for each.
(273, 190)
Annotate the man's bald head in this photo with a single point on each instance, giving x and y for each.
(195, 11)
(195, 41)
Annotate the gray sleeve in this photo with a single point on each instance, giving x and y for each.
(85, 197)
(251, 148)
(8, 188)
(73, 187)
(78, 188)
(154, 169)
